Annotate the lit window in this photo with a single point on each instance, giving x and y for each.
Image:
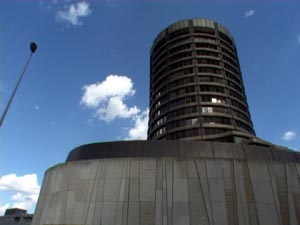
(215, 100)
(207, 109)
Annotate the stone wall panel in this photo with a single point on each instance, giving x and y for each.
(221, 185)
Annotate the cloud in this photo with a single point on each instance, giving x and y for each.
(298, 38)
(107, 98)
(25, 188)
(73, 13)
(289, 135)
(249, 13)
(37, 107)
(139, 131)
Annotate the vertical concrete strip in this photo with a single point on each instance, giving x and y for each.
(263, 193)
(289, 181)
(159, 193)
(270, 166)
(164, 193)
(90, 211)
(295, 187)
(180, 193)
(281, 183)
(134, 192)
(202, 174)
(241, 199)
(230, 191)
(217, 191)
(198, 211)
(169, 187)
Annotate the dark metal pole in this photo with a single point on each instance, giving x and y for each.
(33, 48)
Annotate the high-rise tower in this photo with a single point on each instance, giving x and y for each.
(196, 86)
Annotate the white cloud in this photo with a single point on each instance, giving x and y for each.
(139, 131)
(289, 135)
(107, 98)
(25, 188)
(249, 13)
(298, 38)
(116, 109)
(73, 13)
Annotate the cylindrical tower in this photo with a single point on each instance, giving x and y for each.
(196, 86)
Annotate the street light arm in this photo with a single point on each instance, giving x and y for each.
(33, 48)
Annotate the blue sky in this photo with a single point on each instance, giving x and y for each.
(89, 79)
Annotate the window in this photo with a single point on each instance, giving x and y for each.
(182, 123)
(217, 120)
(207, 109)
(216, 100)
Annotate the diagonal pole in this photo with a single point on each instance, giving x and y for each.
(33, 48)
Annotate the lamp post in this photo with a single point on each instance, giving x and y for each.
(33, 48)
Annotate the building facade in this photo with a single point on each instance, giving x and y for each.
(16, 216)
(196, 86)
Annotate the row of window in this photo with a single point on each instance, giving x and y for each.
(204, 30)
(181, 72)
(207, 53)
(195, 121)
(201, 78)
(179, 40)
(182, 91)
(244, 126)
(159, 132)
(182, 123)
(210, 79)
(183, 111)
(226, 38)
(216, 120)
(183, 134)
(204, 39)
(180, 48)
(204, 98)
(213, 99)
(233, 77)
(195, 132)
(238, 105)
(183, 101)
(199, 61)
(224, 50)
(234, 86)
(206, 45)
(209, 88)
(158, 75)
(227, 59)
(240, 115)
(214, 131)
(202, 88)
(236, 95)
(226, 45)
(209, 70)
(204, 109)
(231, 68)
(180, 82)
(214, 109)
(209, 61)
(181, 64)
(180, 32)
(180, 56)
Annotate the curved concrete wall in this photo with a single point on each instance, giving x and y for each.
(171, 190)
